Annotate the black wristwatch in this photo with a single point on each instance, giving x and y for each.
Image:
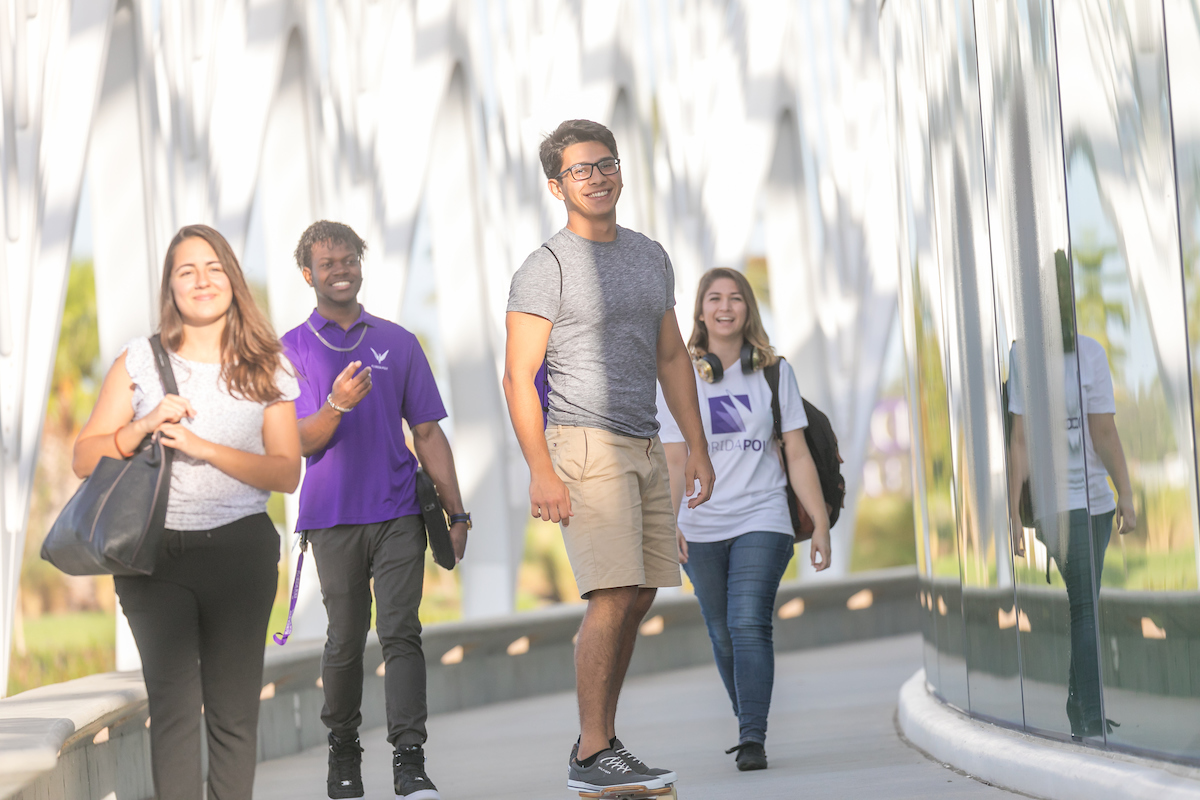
(464, 517)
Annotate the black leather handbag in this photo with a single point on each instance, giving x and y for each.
(434, 517)
(113, 524)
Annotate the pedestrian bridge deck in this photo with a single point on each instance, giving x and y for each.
(832, 735)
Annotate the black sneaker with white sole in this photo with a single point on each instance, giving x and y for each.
(608, 770)
(667, 775)
(344, 779)
(408, 770)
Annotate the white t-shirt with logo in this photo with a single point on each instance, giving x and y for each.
(749, 493)
(1085, 488)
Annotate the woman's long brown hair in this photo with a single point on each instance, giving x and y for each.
(753, 331)
(250, 351)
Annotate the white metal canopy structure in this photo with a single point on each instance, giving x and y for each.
(728, 115)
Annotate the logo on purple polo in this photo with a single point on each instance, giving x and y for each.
(726, 418)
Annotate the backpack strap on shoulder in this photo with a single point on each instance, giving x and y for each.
(556, 261)
(771, 373)
(542, 379)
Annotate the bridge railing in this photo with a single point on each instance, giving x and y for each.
(89, 738)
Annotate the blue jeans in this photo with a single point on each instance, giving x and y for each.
(736, 581)
(1085, 562)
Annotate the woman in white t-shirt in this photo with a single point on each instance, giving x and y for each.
(1093, 455)
(736, 546)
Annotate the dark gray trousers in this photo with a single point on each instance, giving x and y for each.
(200, 622)
(348, 557)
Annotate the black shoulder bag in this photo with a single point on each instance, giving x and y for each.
(113, 524)
(434, 517)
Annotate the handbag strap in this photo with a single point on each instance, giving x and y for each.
(161, 360)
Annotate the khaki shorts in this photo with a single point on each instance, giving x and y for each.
(623, 529)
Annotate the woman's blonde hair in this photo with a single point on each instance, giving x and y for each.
(250, 351)
(753, 331)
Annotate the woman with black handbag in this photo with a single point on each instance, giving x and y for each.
(736, 546)
(200, 620)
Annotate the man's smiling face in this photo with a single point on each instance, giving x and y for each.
(336, 272)
(594, 197)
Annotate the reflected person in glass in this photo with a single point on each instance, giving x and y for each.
(1094, 453)
(735, 547)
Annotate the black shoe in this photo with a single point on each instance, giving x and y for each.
(345, 768)
(750, 755)
(1092, 729)
(408, 770)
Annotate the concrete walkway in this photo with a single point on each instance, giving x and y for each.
(832, 735)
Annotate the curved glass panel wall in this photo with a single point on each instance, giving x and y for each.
(1048, 171)
(901, 45)
(977, 432)
(925, 329)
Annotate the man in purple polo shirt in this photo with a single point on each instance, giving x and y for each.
(358, 504)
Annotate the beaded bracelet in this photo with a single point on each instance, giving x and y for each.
(335, 406)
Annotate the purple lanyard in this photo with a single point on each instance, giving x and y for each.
(281, 638)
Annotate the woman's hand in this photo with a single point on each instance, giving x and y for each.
(820, 546)
(1126, 515)
(180, 437)
(682, 542)
(172, 409)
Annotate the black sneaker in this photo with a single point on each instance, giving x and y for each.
(345, 768)
(408, 771)
(667, 775)
(750, 756)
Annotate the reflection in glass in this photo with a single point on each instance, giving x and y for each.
(1018, 90)
(1183, 64)
(901, 46)
(1073, 427)
(941, 329)
(1128, 295)
(1093, 454)
(976, 425)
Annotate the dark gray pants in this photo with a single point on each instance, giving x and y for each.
(200, 622)
(348, 556)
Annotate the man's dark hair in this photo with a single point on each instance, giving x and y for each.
(573, 131)
(326, 232)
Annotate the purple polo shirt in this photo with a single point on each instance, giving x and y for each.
(366, 473)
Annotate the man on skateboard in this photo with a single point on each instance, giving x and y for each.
(358, 504)
(596, 304)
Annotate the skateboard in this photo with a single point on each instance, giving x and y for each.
(633, 792)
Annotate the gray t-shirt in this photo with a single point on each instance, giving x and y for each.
(602, 357)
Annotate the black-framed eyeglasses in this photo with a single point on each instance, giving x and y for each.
(581, 172)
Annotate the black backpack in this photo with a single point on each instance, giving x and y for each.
(823, 445)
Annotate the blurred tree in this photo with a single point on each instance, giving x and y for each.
(74, 387)
(758, 275)
(1093, 312)
(77, 373)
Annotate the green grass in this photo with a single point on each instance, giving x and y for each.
(56, 631)
(61, 647)
(883, 534)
